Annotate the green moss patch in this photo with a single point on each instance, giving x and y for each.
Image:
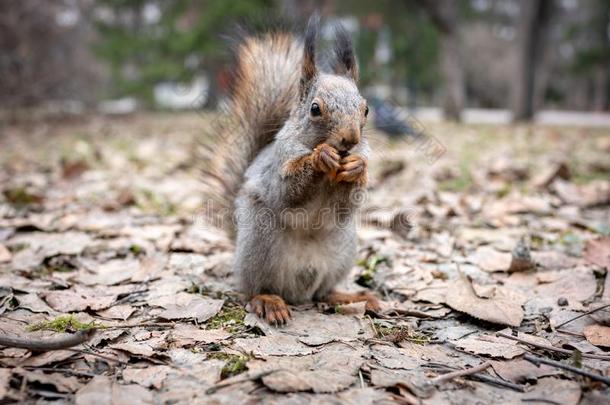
(234, 364)
(64, 323)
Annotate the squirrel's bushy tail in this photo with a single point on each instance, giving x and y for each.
(265, 89)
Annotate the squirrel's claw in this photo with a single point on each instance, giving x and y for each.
(353, 169)
(271, 308)
(325, 159)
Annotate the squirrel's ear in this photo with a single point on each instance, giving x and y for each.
(309, 69)
(345, 60)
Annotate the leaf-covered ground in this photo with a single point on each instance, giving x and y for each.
(472, 236)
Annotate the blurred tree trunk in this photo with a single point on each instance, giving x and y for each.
(532, 28)
(601, 75)
(443, 14)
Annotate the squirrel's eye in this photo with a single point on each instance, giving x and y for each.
(315, 110)
(366, 111)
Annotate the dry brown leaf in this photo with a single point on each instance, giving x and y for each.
(43, 359)
(61, 382)
(147, 376)
(490, 345)
(490, 259)
(314, 329)
(101, 390)
(521, 371)
(79, 299)
(111, 272)
(34, 303)
(333, 369)
(555, 390)
(121, 312)
(145, 344)
(5, 380)
(598, 335)
(597, 192)
(597, 251)
(183, 335)
(198, 308)
(550, 173)
(5, 254)
(577, 284)
(517, 204)
(277, 345)
(504, 308)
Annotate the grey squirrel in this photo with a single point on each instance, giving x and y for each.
(289, 172)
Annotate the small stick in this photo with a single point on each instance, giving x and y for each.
(54, 343)
(461, 373)
(552, 348)
(581, 315)
(538, 360)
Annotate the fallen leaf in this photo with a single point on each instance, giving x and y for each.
(490, 259)
(576, 285)
(597, 192)
(333, 369)
(110, 273)
(490, 345)
(5, 380)
(41, 245)
(5, 254)
(198, 308)
(32, 302)
(147, 376)
(277, 345)
(597, 251)
(314, 329)
(61, 382)
(101, 390)
(554, 390)
(550, 173)
(143, 348)
(51, 357)
(504, 308)
(121, 312)
(598, 335)
(521, 371)
(183, 335)
(79, 299)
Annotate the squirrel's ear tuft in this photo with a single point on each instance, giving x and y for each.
(345, 59)
(309, 69)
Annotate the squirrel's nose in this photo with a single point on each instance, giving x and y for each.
(350, 138)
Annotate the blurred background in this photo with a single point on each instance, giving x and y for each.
(485, 60)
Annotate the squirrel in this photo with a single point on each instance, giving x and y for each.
(290, 170)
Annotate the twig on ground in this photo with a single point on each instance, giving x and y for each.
(552, 348)
(460, 373)
(239, 379)
(142, 325)
(581, 315)
(54, 343)
(541, 360)
(60, 370)
(545, 401)
(482, 378)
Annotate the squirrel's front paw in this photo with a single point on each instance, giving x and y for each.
(353, 170)
(325, 159)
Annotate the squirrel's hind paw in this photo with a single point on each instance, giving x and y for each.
(337, 298)
(271, 308)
